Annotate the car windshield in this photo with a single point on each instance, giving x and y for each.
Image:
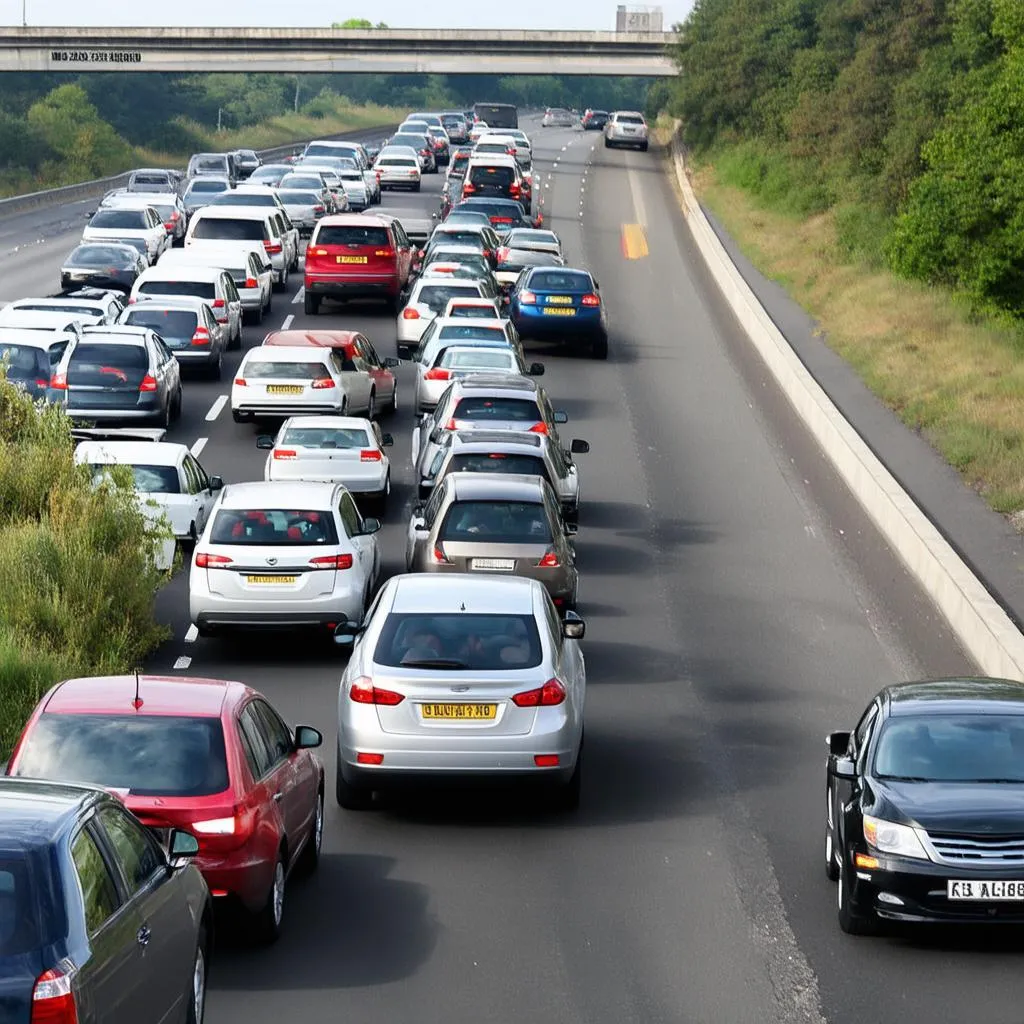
(198, 289)
(479, 409)
(99, 256)
(553, 281)
(497, 462)
(519, 258)
(96, 364)
(147, 479)
(952, 748)
(496, 522)
(145, 755)
(352, 234)
(210, 163)
(326, 437)
(473, 312)
(293, 197)
(25, 362)
(436, 296)
(483, 643)
(30, 916)
(239, 230)
(208, 186)
(397, 161)
(245, 199)
(480, 360)
(150, 179)
(170, 324)
(263, 369)
(273, 526)
(134, 220)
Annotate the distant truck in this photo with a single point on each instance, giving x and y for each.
(497, 115)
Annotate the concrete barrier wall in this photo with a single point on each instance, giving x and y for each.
(982, 627)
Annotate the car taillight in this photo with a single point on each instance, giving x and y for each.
(527, 298)
(53, 1000)
(502, 254)
(272, 246)
(42, 383)
(549, 561)
(284, 453)
(370, 455)
(169, 225)
(218, 303)
(241, 382)
(59, 382)
(386, 254)
(319, 209)
(331, 562)
(410, 314)
(486, 254)
(251, 282)
(468, 188)
(591, 300)
(362, 691)
(514, 190)
(201, 336)
(316, 252)
(438, 556)
(204, 560)
(451, 425)
(539, 428)
(412, 172)
(549, 695)
(438, 374)
(322, 383)
(148, 383)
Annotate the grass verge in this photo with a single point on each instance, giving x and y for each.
(955, 376)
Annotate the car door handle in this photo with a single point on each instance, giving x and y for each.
(144, 935)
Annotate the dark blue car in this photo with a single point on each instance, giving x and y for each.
(560, 304)
(97, 922)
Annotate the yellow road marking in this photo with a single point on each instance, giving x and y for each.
(634, 242)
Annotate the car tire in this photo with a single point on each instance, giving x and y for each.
(282, 284)
(216, 368)
(311, 304)
(831, 865)
(235, 343)
(371, 406)
(416, 187)
(309, 859)
(380, 503)
(393, 404)
(599, 347)
(567, 796)
(269, 919)
(607, 144)
(852, 920)
(643, 148)
(351, 797)
(195, 998)
(206, 632)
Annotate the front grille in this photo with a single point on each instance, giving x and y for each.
(980, 850)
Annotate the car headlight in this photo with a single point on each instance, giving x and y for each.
(889, 837)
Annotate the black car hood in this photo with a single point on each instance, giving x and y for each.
(969, 807)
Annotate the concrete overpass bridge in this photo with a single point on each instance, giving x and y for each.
(327, 50)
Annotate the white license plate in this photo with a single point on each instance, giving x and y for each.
(985, 891)
(502, 564)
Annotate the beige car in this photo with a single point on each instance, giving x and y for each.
(508, 524)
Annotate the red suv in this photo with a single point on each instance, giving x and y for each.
(205, 755)
(355, 256)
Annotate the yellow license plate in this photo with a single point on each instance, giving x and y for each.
(559, 311)
(560, 300)
(351, 259)
(459, 712)
(284, 389)
(271, 579)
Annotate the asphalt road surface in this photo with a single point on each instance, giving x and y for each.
(739, 606)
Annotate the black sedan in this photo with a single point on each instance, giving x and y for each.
(925, 806)
(595, 120)
(102, 265)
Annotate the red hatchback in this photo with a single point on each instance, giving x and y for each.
(205, 755)
(353, 256)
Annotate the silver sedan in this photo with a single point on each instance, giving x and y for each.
(461, 676)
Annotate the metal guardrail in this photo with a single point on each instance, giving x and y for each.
(100, 186)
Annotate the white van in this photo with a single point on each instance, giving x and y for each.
(217, 225)
(210, 284)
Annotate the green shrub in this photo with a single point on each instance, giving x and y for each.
(862, 233)
(778, 182)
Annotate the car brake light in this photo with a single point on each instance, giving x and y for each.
(591, 300)
(53, 1001)
(438, 556)
(241, 382)
(386, 254)
(514, 190)
(42, 383)
(218, 303)
(549, 561)
(215, 826)
(331, 562)
(370, 455)
(59, 382)
(169, 225)
(204, 560)
(410, 314)
(148, 383)
(549, 695)
(362, 691)
(317, 252)
(319, 209)
(272, 247)
(450, 425)
(502, 254)
(284, 453)
(438, 374)
(251, 282)
(468, 189)
(539, 428)
(322, 384)
(201, 336)
(527, 299)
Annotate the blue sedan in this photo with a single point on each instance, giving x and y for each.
(559, 304)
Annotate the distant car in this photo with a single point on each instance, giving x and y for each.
(504, 214)
(102, 307)
(153, 179)
(560, 304)
(102, 265)
(272, 383)
(453, 361)
(187, 326)
(286, 555)
(626, 128)
(595, 120)
(145, 225)
(205, 757)
(427, 299)
(332, 449)
(200, 191)
(399, 170)
(455, 125)
(246, 161)
(512, 262)
(558, 117)
(305, 208)
(536, 239)
(472, 309)
(467, 675)
(167, 204)
(100, 923)
(269, 174)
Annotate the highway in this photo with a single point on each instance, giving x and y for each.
(739, 606)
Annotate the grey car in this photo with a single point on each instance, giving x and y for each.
(201, 191)
(467, 676)
(305, 207)
(118, 373)
(495, 523)
(510, 451)
(187, 326)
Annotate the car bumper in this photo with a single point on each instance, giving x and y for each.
(241, 876)
(195, 356)
(353, 285)
(208, 609)
(532, 322)
(252, 298)
(429, 392)
(113, 415)
(560, 585)
(627, 140)
(254, 410)
(358, 481)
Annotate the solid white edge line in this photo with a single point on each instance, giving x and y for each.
(287, 321)
(191, 634)
(985, 630)
(197, 448)
(215, 409)
(183, 662)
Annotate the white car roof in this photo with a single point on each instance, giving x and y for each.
(458, 592)
(469, 300)
(261, 494)
(54, 320)
(198, 272)
(192, 302)
(204, 255)
(341, 422)
(130, 453)
(33, 339)
(232, 213)
(286, 354)
(57, 304)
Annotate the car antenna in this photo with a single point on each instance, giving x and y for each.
(137, 703)
(462, 607)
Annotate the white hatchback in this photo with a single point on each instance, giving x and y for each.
(275, 381)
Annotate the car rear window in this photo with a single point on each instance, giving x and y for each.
(352, 234)
(150, 179)
(481, 359)
(497, 522)
(629, 119)
(398, 161)
(289, 527)
(25, 362)
(437, 296)
(474, 312)
(30, 917)
(144, 755)
(239, 230)
(295, 197)
(456, 332)
(98, 256)
(447, 236)
(244, 199)
(326, 437)
(497, 176)
(168, 323)
(129, 219)
(479, 409)
(483, 643)
(105, 365)
(199, 289)
(560, 282)
(146, 479)
(497, 462)
(263, 369)
(208, 186)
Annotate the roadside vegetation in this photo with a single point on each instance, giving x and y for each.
(77, 584)
(869, 155)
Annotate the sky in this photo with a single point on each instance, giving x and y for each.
(521, 14)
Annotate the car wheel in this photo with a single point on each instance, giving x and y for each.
(282, 284)
(269, 919)
(310, 857)
(599, 346)
(831, 867)
(852, 919)
(416, 187)
(393, 404)
(311, 304)
(195, 999)
(235, 343)
(206, 632)
(351, 797)
(371, 407)
(214, 370)
(381, 504)
(165, 416)
(607, 144)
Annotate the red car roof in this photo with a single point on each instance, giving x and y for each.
(316, 339)
(160, 695)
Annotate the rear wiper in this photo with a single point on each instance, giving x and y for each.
(452, 663)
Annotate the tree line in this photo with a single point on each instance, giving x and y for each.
(905, 116)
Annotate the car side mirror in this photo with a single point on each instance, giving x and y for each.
(561, 417)
(306, 737)
(371, 526)
(216, 483)
(573, 626)
(391, 362)
(838, 743)
(345, 633)
(571, 529)
(386, 440)
(181, 847)
(844, 768)
(579, 447)
(536, 370)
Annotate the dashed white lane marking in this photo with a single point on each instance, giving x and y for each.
(197, 448)
(183, 662)
(191, 634)
(215, 409)
(634, 188)
(299, 296)
(564, 148)
(287, 321)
